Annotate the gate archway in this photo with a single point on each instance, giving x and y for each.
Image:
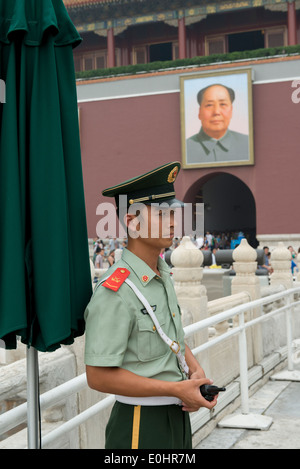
(229, 205)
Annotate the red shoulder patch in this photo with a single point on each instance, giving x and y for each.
(116, 279)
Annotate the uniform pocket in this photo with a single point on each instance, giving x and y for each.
(149, 343)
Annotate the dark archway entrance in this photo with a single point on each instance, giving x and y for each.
(229, 205)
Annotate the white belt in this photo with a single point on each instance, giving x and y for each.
(149, 401)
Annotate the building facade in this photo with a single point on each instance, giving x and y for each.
(130, 124)
(117, 32)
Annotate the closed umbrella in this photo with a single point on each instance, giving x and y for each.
(45, 280)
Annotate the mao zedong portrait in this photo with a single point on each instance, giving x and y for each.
(215, 142)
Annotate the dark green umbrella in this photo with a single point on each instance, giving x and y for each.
(45, 280)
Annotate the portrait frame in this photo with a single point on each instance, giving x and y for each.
(236, 149)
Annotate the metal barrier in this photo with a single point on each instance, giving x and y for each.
(245, 419)
(18, 415)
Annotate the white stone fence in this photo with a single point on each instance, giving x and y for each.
(263, 339)
(266, 342)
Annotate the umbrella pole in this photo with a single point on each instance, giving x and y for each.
(32, 398)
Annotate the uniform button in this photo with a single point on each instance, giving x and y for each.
(154, 328)
(173, 315)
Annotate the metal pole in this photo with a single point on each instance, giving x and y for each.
(32, 398)
(243, 365)
(289, 332)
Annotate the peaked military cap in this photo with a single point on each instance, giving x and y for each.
(155, 186)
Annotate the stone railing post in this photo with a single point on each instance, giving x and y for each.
(281, 263)
(191, 294)
(245, 266)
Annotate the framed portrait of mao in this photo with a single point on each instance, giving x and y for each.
(217, 119)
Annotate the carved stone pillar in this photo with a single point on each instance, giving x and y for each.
(281, 262)
(191, 294)
(245, 266)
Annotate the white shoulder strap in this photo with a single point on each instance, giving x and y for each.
(100, 282)
(174, 346)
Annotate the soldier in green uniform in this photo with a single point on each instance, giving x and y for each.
(134, 337)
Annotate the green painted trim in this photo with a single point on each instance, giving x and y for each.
(196, 61)
(133, 19)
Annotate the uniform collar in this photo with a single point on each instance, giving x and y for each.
(143, 272)
(209, 143)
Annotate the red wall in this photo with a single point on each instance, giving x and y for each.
(127, 137)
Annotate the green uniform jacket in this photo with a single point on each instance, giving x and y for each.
(119, 332)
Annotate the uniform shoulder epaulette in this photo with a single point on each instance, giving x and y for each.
(116, 279)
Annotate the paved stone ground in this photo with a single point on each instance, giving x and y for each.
(277, 399)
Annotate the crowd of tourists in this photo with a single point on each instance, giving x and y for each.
(104, 250)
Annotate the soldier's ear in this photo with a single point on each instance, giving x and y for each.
(127, 219)
(131, 222)
(137, 222)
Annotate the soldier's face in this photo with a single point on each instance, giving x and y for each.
(153, 224)
(162, 223)
(215, 111)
